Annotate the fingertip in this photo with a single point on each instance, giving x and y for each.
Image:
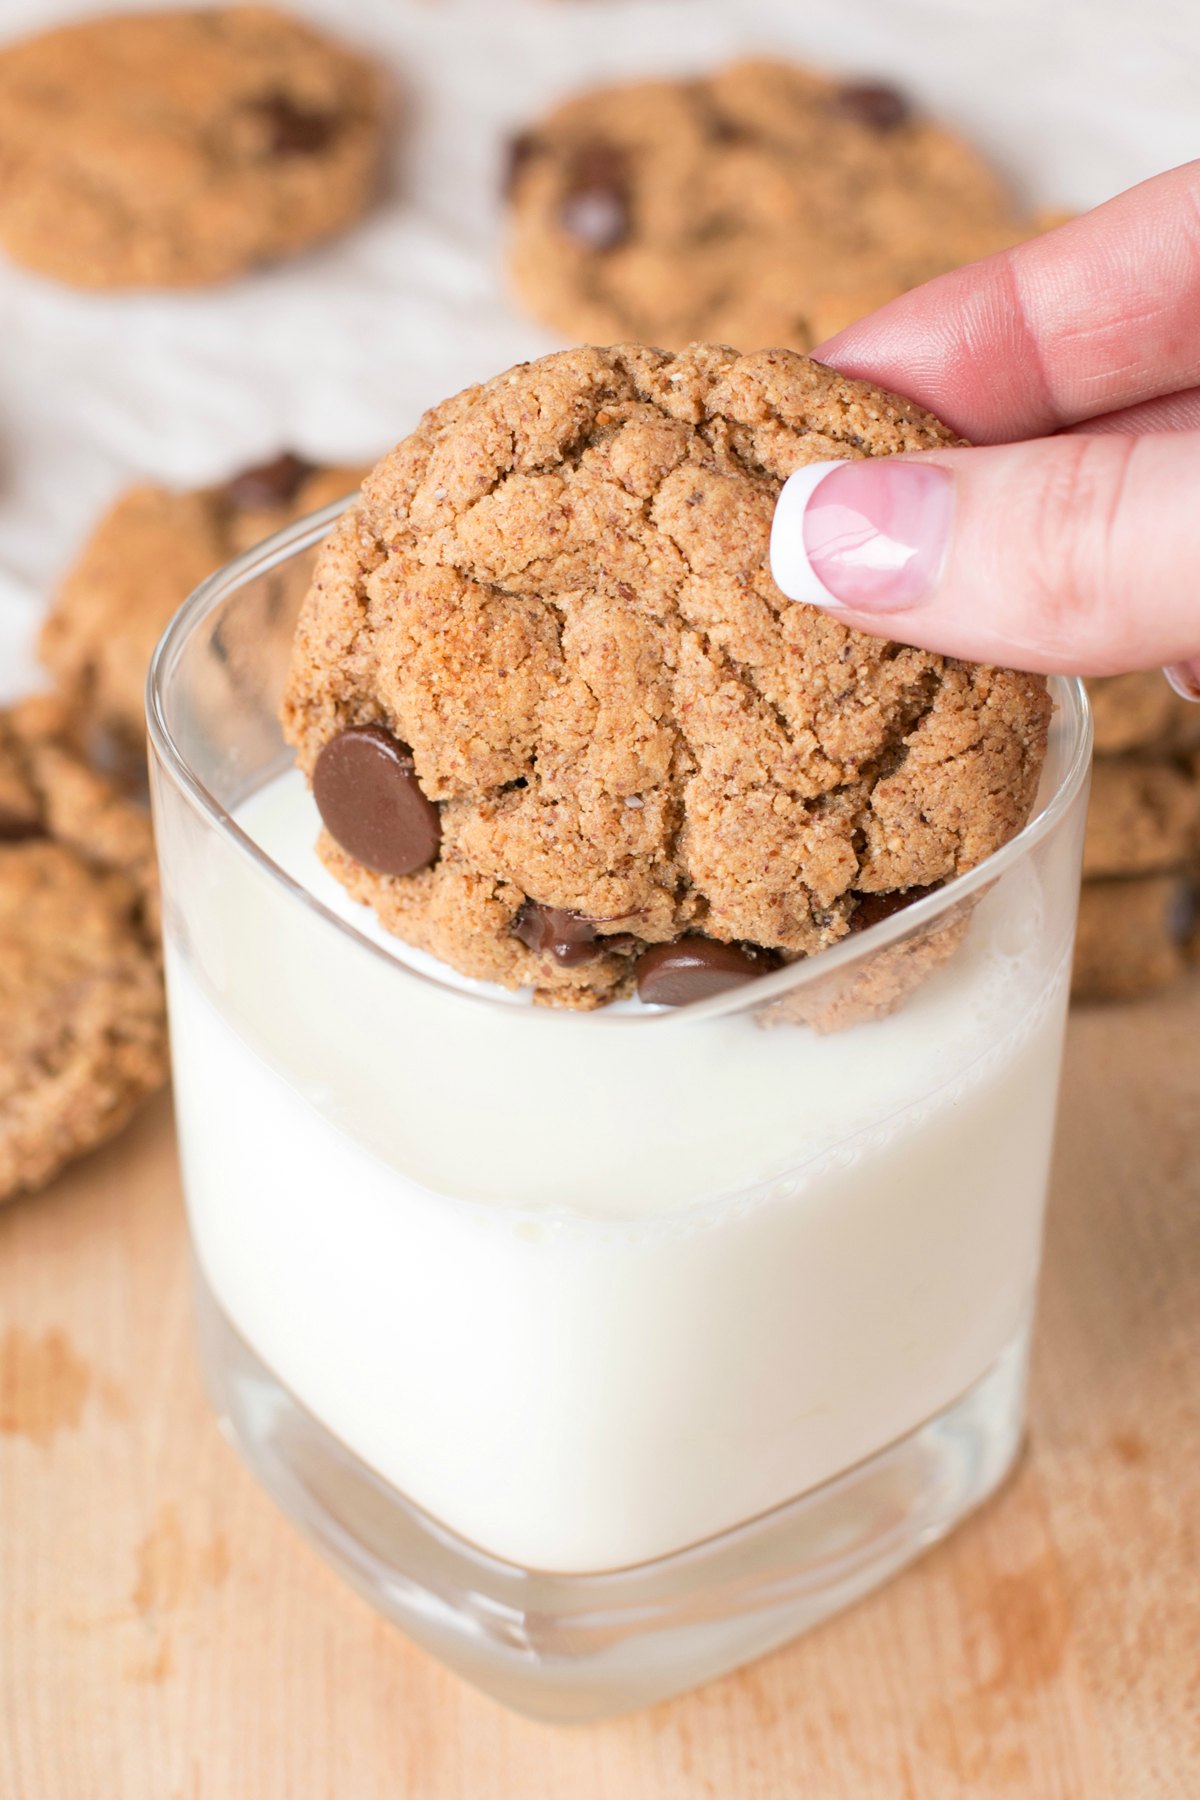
(791, 567)
(1184, 678)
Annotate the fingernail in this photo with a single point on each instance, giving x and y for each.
(1184, 677)
(868, 536)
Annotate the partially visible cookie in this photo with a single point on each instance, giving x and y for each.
(1144, 818)
(764, 205)
(143, 559)
(1130, 712)
(82, 1022)
(1134, 936)
(1137, 916)
(878, 984)
(1139, 712)
(564, 730)
(169, 149)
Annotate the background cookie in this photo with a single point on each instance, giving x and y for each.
(142, 561)
(764, 205)
(170, 149)
(1142, 850)
(1140, 712)
(82, 1024)
(559, 717)
(1144, 818)
(1135, 936)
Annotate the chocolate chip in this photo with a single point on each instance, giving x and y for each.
(872, 909)
(874, 104)
(595, 208)
(366, 789)
(273, 483)
(520, 152)
(1183, 912)
(294, 130)
(696, 968)
(550, 930)
(729, 131)
(18, 828)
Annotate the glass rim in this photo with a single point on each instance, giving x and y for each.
(303, 534)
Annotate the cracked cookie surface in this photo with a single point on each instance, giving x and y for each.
(82, 1021)
(555, 598)
(144, 557)
(766, 204)
(177, 148)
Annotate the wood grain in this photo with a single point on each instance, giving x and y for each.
(164, 1635)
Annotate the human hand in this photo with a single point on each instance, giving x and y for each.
(1069, 539)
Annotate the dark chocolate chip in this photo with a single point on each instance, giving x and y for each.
(521, 151)
(550, 930)
(874, 104)
(18, 828)
(729, 131)
(273, 483)
(294, 130)
(595, 207)
(366, 789)
(872, 909)
(696, 968)
(122, 758)
(1183, 912)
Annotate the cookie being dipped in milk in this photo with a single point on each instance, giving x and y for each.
(564, 729)
(547, 647)
(566, 734)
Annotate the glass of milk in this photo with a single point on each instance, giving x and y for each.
(602, 1351)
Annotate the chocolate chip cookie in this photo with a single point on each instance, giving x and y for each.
(1135, 937)
(82, 1024)
(764, 205)
(170, 149)
(1137, 917)
(564, 730)
(1139, 712)
(1143, 819)
(142, 561)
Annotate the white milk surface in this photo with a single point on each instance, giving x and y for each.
(602, 1286)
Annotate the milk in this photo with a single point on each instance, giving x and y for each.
(591, 1288)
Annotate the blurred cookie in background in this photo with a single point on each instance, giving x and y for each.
(153, 546)
(1141, 712)
(1142, 817)
(1136, 936)
(82, 1021)
(766, 205)
(176, 148)
(1138, 929)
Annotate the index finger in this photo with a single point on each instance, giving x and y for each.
(1096, 316)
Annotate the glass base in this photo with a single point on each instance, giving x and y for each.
(570, 1648)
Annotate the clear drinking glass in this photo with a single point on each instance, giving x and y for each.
(601, 1351)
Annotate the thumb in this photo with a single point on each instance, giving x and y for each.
(1075, 554)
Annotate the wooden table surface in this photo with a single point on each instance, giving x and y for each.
(164, 1635)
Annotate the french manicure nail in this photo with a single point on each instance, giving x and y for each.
(1184, 677)
(865, 536)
